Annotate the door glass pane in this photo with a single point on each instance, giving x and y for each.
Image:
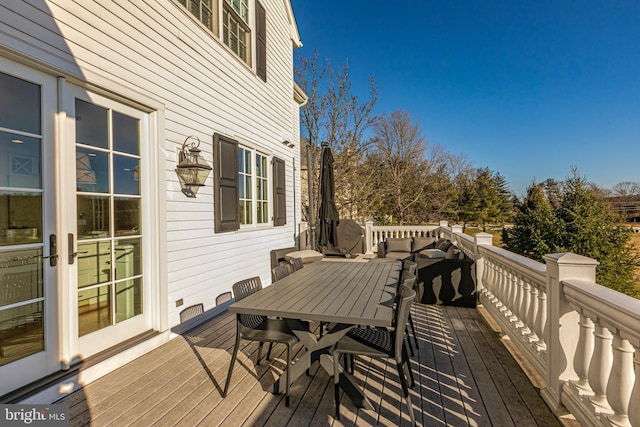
(128, 258)
(92, 170)
(126, 134)
(19, 161)
(128, 299)
(19, 105)
(21, 332)
(92, 124)
(93, 217)
(94, 309)
(126, 216)
(20, 218)
(126, 175)
(20, 276)
(94, 263)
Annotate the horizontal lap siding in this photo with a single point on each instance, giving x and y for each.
(154, 50)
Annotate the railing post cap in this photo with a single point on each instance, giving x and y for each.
(483, 238)
(569, 258)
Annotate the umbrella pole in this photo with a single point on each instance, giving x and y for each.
(312, 213)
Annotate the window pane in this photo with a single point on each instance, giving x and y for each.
(126, 134)
(126, 175)
(92, 170)
(93, 217)
(19, 104)
(91, 124)
(240, 160)
(128, 258)
(126, 216)
(19, 161)
(249, 212)
(20, 218)
(20, 276)
(22, 332)
(94, 263)
(94, 309)
(248, 186)
(128, 299)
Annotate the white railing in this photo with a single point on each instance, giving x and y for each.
(582, 338)
(375, 234)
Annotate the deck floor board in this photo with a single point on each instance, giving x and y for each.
(464, 377)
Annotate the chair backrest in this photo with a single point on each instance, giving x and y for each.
(243, 289)
(409, 266)
(191, 312)
(405, 299)
(280, 272)
(296, 263)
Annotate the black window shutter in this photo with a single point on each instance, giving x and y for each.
(225, 183)
(279, 192)
(261, 42)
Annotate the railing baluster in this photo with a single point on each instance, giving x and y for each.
(541, 321)
(532, 315)
(600, 367)
(584, 352)
(634, 410)
(621, 381)
(525, 303)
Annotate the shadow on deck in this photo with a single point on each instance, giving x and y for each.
(464, 376)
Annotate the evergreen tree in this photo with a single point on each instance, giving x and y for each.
(535, 230)
(573, 217)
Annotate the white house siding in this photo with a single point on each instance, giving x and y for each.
(155, 55)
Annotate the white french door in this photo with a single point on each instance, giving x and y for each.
(28, 227)
(105, 142)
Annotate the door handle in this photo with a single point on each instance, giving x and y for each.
(72, 255)
(53, 251)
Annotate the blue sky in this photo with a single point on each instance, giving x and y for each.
(525, 88)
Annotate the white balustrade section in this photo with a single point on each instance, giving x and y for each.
(375, 234)
(582, 338)
(608, 352)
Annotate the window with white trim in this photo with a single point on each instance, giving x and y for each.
(235, 28)
(205, 11)
(253, 187)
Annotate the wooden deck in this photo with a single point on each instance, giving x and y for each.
(465, 377)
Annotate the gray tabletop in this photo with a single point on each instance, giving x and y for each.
(344, 292)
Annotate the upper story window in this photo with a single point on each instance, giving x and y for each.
(235, 27)
(204, 11)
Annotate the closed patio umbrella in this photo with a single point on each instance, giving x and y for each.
(327, 212)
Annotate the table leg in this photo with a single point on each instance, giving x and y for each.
(347, 383)
(314, 349)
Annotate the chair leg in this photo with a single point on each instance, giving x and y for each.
(413, 329)
(269, 351)
(259, 353)
(336, 382)
(233, 361)
(405, 356)
(405, 392)
(286, 399)
(409, 342)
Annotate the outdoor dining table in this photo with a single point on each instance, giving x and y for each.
(345, 293)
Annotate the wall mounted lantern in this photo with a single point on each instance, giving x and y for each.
(192, 169)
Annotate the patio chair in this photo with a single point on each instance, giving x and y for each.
(296, 263)
(409, 266)
(259, 328)
(410, 281)
(280, 272)
(385, 343)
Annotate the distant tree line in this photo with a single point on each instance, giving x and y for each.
(385, 169)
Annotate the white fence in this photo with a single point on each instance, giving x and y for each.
(581, 337)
